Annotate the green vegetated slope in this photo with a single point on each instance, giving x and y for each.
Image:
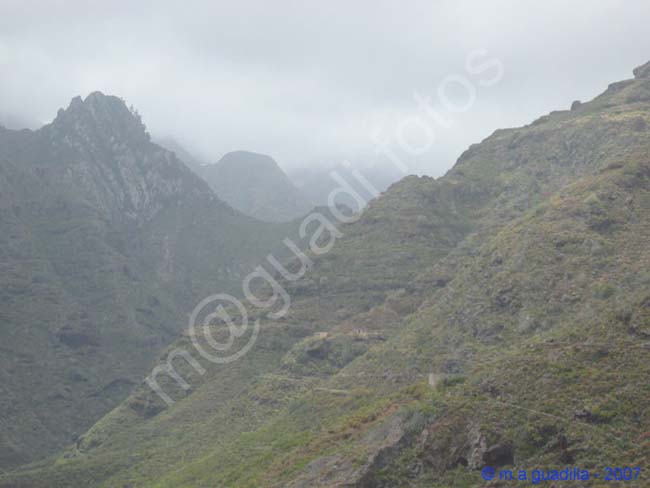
(499, 315)
(106, 243)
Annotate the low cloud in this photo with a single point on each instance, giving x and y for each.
(307, 82)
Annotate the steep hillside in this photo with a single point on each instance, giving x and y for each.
(255, 185)
(106, 243)
(495, 316)
(181, 153)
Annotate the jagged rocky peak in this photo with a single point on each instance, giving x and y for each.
(105, 151)
(642, 71)
(101, 115)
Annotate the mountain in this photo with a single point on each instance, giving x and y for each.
(318, 182)
(181, 153)
(255, 185)
(497, 316)
(252, 183)
(107, 241)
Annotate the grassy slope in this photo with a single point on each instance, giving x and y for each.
(522, 377)
(516, 285)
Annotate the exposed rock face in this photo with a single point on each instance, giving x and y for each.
(111, 159)
(382, 446)
(190, 160)
(642, 71)
(106, 241)
(476, 448)
(500, 454)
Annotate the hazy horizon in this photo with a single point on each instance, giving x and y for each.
(309, 90)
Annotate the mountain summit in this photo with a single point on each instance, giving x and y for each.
(106, 242)
(254, 184)
(109, 155)
(105, 114)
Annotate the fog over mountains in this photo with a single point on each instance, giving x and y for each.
(310, 83)
(360, 245)
(496, 316)
(255, 184)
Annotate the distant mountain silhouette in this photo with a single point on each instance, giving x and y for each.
(254, 184)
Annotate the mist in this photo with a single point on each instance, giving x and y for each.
(309, 83)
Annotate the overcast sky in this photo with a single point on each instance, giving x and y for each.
(309, 81)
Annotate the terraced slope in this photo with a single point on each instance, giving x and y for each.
(495, 316)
